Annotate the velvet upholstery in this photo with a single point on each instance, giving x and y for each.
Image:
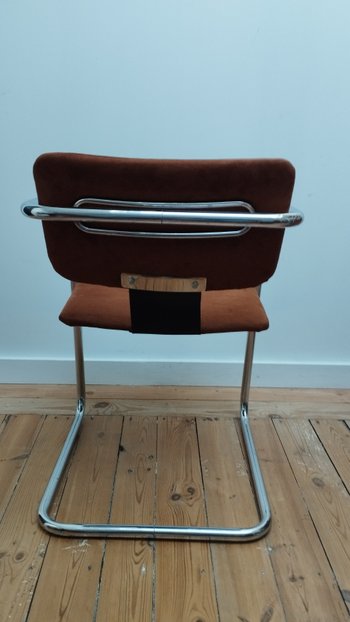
(233, 267)
(108, 307)
(228, 263)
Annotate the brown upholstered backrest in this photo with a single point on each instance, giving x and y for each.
(227, 263)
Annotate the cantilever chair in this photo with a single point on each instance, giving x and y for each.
(163, 247)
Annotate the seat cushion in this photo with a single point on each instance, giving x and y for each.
(221, 311)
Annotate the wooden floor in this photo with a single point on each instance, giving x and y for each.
(174, 454)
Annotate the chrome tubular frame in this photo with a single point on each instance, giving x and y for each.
(165, 532)
(160, 214)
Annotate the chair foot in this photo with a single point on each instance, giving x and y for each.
(214, 534)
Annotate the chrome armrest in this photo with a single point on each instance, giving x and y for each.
(153, 213)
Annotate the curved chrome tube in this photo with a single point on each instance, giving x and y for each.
(164, 532)
(60, 465)
(167, 532)
(180, 214)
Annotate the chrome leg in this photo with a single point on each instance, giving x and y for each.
(248, 365)
(79, 360)
(247, 368)
(216, 534)
(262, 528)
(79, 363)
(257, 479)
(44, 518)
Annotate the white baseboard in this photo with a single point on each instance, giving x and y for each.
(38, 371)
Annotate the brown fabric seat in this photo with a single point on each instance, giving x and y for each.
(109, 307)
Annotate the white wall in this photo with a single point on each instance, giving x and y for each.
(181, 78)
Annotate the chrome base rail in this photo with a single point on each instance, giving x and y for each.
(165, 532)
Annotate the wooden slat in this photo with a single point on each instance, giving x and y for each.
(163, 283)
(72, 566)
(326, 497)
(305, 580)
(158, 408)
(35, 406)
(213, 409)
(216, 394)
(23, 542)
(335, 437)
(184, 575)
(3, 421)
(91, 474)
(127, 579)
(230, 503)
(16, 441)
(179, 482)
(149, 407)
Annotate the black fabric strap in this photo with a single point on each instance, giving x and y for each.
(165, 313)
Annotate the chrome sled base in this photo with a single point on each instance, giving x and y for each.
(107, 530)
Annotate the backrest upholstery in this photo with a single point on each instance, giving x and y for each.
(227, 263)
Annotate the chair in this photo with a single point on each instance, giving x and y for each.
(163, 247)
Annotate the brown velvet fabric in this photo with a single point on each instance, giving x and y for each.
(247, 261)
(108, 307)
